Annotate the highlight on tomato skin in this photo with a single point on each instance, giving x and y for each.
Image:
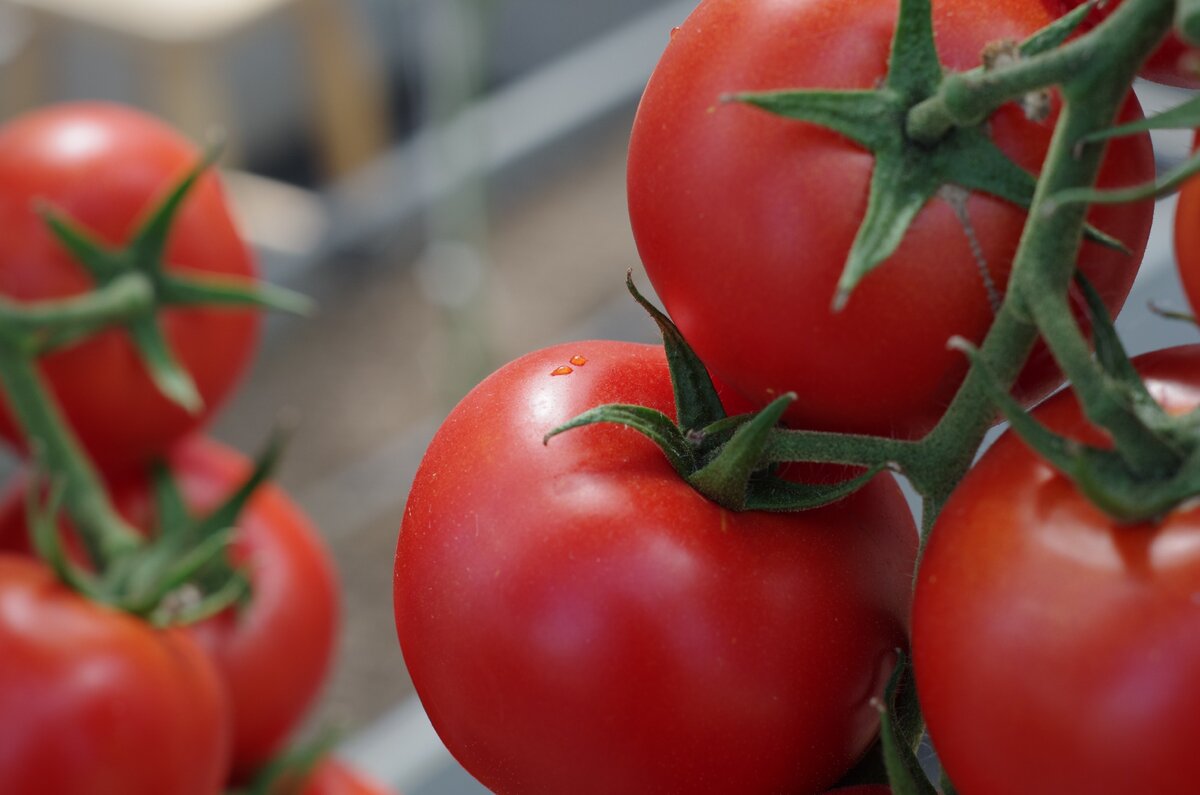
(1054, 649)
(744, 219)
(576, 618)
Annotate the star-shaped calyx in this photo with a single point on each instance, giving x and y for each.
(908, 173)
(144, 257)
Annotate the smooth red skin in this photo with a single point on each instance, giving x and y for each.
(94, 700)
(1173, 63)
(275, 655)
(105, 166)
(744, 219)
(1055, 651)
(575, 618)
(335, 777)
(1187, 238)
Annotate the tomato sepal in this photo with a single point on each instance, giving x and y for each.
(145, 254)
(183, 574)
(900, 730)
(697, 404)
(1108, 478)
(654, 425)
(907, 172)
(721, 457)
(1160, 186)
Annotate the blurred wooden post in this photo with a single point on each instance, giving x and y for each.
(178, 45)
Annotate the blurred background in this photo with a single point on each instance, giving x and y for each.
(446, 179)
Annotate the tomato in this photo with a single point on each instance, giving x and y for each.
(576, 618)
(335, 777)
(1174, 63)
(106, 166)
(1187, 237)
(744, 219)
(1054, 650)
(863, 789)
(93, 700)
(275, 653)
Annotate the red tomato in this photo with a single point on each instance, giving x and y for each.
(1173, 63)
(744, 219)
(106, 166)
(274, 654)
(93, 700)
(334, 777)
(575, 618)
(1056, 651)
(863, 789)
(1187, 238)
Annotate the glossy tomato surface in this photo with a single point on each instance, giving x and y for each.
(575, 618)
(744, 219)
(275, 653)
(106, 166)
(95, 701)
(1056, 651)
(1174, 63)
(1187, 239)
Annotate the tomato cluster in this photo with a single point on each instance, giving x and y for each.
(94, 699)
(578, 614)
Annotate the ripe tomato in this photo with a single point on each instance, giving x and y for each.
(106, 166)
(1187, 237)
(93, 700)
(576, 618)
(744, 219)
(1056, 651)
(1173, 63)
(275, 653)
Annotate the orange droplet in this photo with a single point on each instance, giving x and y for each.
(674, 31)
(578, 361)
(564, 370)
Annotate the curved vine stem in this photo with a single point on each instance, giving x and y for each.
(104, 533)
(1044, 262)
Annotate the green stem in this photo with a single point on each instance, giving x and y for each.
(1051, 238)
(102, 530)
(126, 296)
(967, 99)
(1045, 259)
(837, 448)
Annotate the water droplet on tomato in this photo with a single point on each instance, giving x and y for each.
(674, 30)
(578, 361)
(564, 370)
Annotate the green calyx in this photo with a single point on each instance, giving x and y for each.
(722, 457)
(913, 165)
(900, 728)
(1154, 464)
(181, 573)
(139, 266)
